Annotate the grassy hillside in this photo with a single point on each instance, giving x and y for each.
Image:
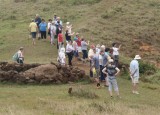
(133, 23)
(54, 100)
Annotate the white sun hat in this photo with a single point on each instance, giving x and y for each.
(67, 23)
(110, 60)
(137, 57)
(62, 50)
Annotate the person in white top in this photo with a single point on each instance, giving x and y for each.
(134, 73)
(98, 49)
(20, 55)
(116, 53)
(69, 27)
(48, 27)
(69, 51)
(52, 31)
(75, 47)
(62, 57)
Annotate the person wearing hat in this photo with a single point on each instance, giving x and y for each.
(33, 30)
(69, 27)
(112, 71)
(134, 74)
(20, 55)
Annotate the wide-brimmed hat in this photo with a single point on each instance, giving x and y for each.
(62, 50)
(67, 23)
(110, 60)
(137, 57)
(98, 46)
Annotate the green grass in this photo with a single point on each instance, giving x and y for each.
(107, 21)
(55, 100)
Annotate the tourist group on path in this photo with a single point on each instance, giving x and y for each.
(103, 60)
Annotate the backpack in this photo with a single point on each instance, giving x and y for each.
(111, 70)
(15, 56)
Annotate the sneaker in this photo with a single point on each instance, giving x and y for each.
(133, 92)
(111, 97)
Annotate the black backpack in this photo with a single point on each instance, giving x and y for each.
(111, 70)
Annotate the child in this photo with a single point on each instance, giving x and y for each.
(62, 57)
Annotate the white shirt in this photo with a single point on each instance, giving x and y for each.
(20, 54)
(90, 52)
(115, 51)
(134, 66)
(69, 28)
(62, 57)
(98, 50)
(49, 25)
(100, 60)
(69, 48)
(53, 29)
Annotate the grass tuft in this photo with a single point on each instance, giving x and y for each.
(81, 93)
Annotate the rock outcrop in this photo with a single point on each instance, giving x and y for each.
(40, 73)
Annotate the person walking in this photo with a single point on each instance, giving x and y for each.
(134, 74)
(95, 67)
(38, 21)
(43, 26)
(49, 27)
(84, 46)
(60, 40)
(112, 71)
(33, 29)
(69, 52)
(52, 32)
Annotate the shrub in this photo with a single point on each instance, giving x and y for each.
(146, 68)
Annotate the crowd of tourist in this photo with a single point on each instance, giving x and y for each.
(103, 60)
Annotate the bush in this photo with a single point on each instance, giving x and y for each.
(146, 68)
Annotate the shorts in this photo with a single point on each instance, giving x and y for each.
(135, 80)
(79, 49)
(97, 73)
(33, 35)
(112, 83)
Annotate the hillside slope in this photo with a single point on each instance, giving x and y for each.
(133, 23)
